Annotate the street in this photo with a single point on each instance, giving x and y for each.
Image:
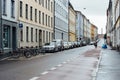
(28, 68)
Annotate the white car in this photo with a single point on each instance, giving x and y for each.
(50, 47)
(66, 45)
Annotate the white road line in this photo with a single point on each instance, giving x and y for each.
(53, 68)
(64, 62)
(68, 60)
(59, 65)
(46, 72)
(34, 78)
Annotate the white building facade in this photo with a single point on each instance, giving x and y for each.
(79, 25)
(36, 22)
(61, 20)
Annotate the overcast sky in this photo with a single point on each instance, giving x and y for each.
(94, 10)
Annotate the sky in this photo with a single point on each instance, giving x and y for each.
(94, 10)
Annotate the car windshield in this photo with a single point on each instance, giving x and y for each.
(52, 43)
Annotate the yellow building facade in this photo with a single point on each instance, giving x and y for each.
(72, 23)
(36, 22)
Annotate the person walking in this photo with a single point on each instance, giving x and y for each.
(95, 44)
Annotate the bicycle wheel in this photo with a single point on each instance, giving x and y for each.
(15, 55)
(27, 54)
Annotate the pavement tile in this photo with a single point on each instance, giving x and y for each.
(109, 68)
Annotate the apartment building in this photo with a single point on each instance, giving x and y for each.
(109, 24)
(85, 26)
(72, 23)
(36, 22)
(117, 22)
(94, 32)
(8, 25)
(61, 20)
(113, 23)
(79, 25)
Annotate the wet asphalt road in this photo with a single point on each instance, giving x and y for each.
(25, 69)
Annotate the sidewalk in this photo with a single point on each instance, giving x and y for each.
(109, 68)
(77, 68)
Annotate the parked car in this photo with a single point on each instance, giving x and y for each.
(59, 44)
(51, 47)
(75, 44)
(70, 45)
(84, 43)
(92, 42)
(79, 43)
(66, 45)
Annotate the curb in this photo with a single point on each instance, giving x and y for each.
(95, 72)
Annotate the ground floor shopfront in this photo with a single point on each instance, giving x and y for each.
(8, 39)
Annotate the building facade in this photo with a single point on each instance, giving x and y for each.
(88, 31)
(113, 23)
(72, 23)
(9, 25)
(109, 24)
(36, 22)
(85, 28)
(79, 25)
(94, 32)
(117, 22)
(61, 20)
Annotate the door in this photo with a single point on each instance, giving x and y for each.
(14, 38)
(40, 37)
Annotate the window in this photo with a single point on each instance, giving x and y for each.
(46, 36)
(12, 8)
(40, 17)
(48, 4)
(4, 7)
(43, 3)
(43, 36)
(49, 21)
(43, 18)
(35, 15)
(27, 34)
(46, 19)
(49, 36)
(51, 6)
(31, 34)
(21, 35)
(40, 2)
(31, 10)
(26, 11)
(36, 34)
(21, 4)
(6, 37)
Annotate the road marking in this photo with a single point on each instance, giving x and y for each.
(64, 62)
(68, 60)
(59, 65)
(34, 78)
(46, 72)
(53, 68)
